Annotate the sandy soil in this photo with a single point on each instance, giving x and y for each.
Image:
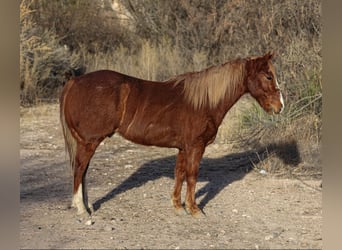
(130, 186)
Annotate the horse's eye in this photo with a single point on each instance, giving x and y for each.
(269, 77)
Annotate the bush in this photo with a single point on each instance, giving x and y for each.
(43, 61)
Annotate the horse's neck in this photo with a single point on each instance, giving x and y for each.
(227, 103)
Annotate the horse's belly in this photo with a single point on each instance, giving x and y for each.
(152, 135)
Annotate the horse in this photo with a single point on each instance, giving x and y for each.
(183, 112)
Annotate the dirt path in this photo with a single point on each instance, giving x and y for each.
(130, 187)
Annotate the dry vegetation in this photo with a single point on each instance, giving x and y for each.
(159, 39)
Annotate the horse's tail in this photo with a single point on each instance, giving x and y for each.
(70, 141)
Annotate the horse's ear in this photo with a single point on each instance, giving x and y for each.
(261, 62)
(270, 55)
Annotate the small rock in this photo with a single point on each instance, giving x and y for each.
(262, 171)
(108, 228)
(269, 237)
(89, 222)
(278, 231)
(235, 211)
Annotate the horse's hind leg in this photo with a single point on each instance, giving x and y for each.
(80, 196)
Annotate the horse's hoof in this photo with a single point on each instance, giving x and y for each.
(198, 215)
(82, 211)
(195, 212)
(178, 208)
(180, 211)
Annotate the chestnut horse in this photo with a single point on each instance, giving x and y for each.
(183, 112)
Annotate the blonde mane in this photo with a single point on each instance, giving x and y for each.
(210, 86)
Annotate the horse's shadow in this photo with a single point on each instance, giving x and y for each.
(218, 173)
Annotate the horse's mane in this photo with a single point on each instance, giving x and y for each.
(211, 85)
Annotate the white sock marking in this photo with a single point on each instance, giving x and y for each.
(77, 200)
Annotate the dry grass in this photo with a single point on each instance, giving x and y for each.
(43, 61)
(291, 150)
(195, 36)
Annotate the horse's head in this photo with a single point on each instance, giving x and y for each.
(262, 83)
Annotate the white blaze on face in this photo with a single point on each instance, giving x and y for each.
(277, 84)
(281, 97)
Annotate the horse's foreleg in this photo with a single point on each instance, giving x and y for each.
(80, 196)
(192, 167)
(179, 179)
